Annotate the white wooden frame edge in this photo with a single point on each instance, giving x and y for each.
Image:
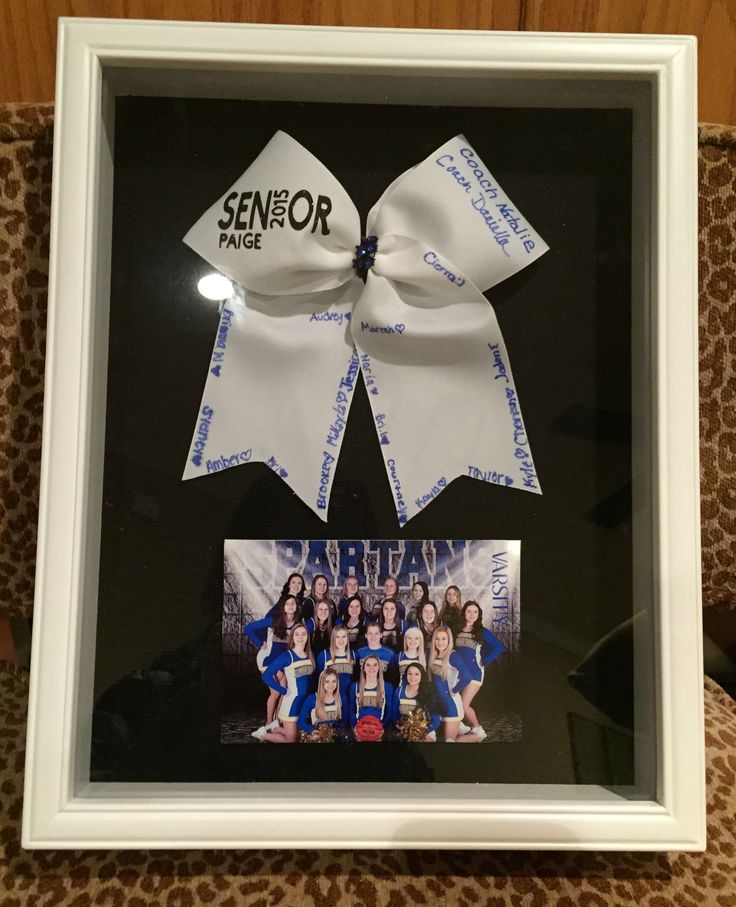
(60, 811)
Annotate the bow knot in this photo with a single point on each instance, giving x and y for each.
(292, 340)
(365, 255)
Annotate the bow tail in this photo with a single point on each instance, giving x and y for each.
(279, 388)
(441, 390)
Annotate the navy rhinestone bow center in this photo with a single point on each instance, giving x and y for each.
(365, 255)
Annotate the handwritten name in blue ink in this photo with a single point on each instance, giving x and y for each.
(218, 354)
(382, 328)
(337, 317)
(342, 402)
(369, 378)
(490, 475)
(382, 428)
(273, 463)
(203, 431)
(499, 233)
(498, 363)
(518, 227)
(324, 479)
(431, 259)
(398, 493)
(505, 218)
(526, 467)
(430, 495)
(225, 462)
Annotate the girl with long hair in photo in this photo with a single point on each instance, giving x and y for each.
(320, 626)
(295, 586)
(412, 651)
(451, 608)
(446, 667)
(416, 691)
(339, 658)
(427, 620)
(475, 647)
(354, 620)
(271, 636)
(297, 666)
(349, 590)
(419, 597)
(317, 593)
(370, 697)
(323, 707)
(390, 624)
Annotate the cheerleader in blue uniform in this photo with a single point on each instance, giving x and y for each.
(297, 665)
(320, 627)
(295, 586)
(451, 609)
(391, 626)
(317, 593)
(323, 707)
(354, 621)
(371, 695)
(272, 635)
(448, 672)
(338, 658)
(349, 590)
(417, 691)
(427, 620)
(373, 646)
(477, 647)
(413, 650)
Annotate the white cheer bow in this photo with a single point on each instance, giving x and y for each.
(289, 348)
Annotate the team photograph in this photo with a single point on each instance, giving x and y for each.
(357, 641)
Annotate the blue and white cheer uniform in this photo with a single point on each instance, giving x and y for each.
(474, 655)
(260, 632)
(298, 675)
(450, 703)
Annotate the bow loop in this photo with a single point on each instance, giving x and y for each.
(451, 203)
(285, 226)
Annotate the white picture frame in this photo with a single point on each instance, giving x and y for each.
(101, 58)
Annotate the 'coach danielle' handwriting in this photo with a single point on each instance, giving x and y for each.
(503, 221)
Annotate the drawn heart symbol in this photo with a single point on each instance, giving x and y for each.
(216, 370)
(401, 328)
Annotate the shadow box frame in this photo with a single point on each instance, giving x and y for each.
(654, 76)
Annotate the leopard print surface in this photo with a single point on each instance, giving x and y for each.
(25, 199)
(368, 878)
(717, 254)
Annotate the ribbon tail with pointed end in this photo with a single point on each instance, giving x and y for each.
(441, 390)
(279, 390)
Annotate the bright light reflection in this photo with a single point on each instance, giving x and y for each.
(215, 286)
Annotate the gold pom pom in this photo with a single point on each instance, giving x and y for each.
(323, 733)
(414, 727)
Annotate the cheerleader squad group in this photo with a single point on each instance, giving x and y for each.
(383, 672)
